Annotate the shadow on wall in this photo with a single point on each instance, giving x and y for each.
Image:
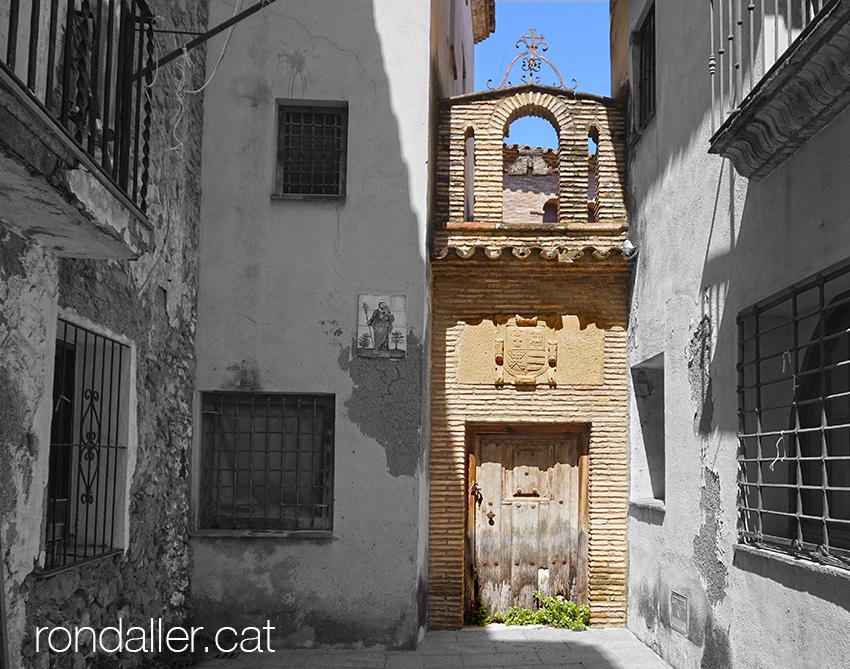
(325, 590)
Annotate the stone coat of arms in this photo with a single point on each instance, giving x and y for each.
(525, 354)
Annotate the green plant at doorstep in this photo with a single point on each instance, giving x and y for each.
(480, 617)
(555, 611)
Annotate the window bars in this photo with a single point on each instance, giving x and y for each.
(794, 420)
(645, 39)
(312, 150)
(88, 446)
(267, 461)
(747, 38)
(79, 60)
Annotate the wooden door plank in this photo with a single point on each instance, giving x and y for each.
(491, 562)
(563, 534)
(535, 487)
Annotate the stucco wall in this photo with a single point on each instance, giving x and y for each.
(710, 244)
(150, 305)
(279, 305)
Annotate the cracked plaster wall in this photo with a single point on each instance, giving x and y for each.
(710, 244)
(278, 310)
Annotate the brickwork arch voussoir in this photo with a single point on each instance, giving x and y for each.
(543, 105)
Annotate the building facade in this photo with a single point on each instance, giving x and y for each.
(528, 378)
(310, 457)
(737, 331)
(98, 277)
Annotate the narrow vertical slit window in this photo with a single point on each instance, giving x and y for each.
(645, 69)
(469, 175)
(550, 211)
(593, 174)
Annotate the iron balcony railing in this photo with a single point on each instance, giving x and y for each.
(748, 37)
(79, 60)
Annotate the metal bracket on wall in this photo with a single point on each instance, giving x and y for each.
(203, 37)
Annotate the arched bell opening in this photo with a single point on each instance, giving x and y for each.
(469, 175)
(531, 162)
(593, 174)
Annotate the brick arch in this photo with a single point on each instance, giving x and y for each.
(555, 110)
(542, 105)
(594, 125)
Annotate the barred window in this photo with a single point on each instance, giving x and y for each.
(794, 419)
(645, 69)
(311, 154)
(86, 481)
(267, 461)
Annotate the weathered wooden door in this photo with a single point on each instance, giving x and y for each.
(529, 502)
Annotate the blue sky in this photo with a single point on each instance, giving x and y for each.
(577, 34)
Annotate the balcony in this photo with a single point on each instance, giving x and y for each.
(780, 71)
(75, 123)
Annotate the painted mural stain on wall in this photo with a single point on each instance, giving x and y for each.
(381, 326)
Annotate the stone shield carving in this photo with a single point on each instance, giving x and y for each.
(525, 356)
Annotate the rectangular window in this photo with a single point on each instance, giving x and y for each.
(267, 461)
(311, 150)
(88, 446)
(794, 419)
(645, 69)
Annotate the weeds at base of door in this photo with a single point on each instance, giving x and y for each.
(556, 611)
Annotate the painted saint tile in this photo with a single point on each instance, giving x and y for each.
(381, 326)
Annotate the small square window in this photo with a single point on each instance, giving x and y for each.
(311, 150)
(645, 69)
(267, 461)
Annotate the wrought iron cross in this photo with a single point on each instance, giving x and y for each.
(531, 63)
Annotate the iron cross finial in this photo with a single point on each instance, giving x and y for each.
(531, 62)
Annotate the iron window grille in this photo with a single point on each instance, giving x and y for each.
(645, 42)
(794, 420)
(88, 446)
(267, 461)
(311, 155)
